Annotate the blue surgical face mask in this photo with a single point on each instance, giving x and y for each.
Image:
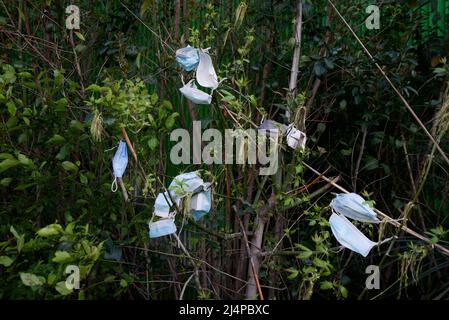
(187, 58)
(162, 228)
(349, 236)
(352, 206)
(163, 204)
(119, 163)
(186, 182)
(200, 204)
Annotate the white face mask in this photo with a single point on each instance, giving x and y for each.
(349, 236)
(352, 206)
(191, 92)
(205, 73)
(295, 138)
(162, 228)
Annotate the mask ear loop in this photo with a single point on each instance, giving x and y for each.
(182, 80)
(114, 185)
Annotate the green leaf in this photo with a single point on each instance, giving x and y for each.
(305, 255)
(56, 139)
(293, 273)
(11, 108)
(153, 143)
(83, 179)
(154, 98)
(74, 124)
(50, 230)
(5, 182)
(170, 122)
(80, 48)
(344, 292)
(5, 155)
(123, 283)
(57, 74)
(94, 88)
(326, 285)
(70, 166)
(8, 163)
(31, 280)
(63, 152)
(6, 261)
(372, 163)
(62, 257)
(145, 6)
(25, 160)
(61, 287)
(80, 36)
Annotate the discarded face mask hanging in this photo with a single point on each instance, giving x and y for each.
(119, 163)
(295, 138)
(272, 127)
(187, 58)
(205, 73)
(349, 236)
(162, 228)
(181, 186)
(195, 95)
(185, 183)
(353, 206)
(190, 58)
(163, 204)
(200, 204)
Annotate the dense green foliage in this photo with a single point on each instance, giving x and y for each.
(67, 97)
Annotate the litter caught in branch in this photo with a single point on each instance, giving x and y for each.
(162, 228)
(353, 206)
(119, 163)
(183, 185)
(295, 138)
(349, 236)
(190, 58)
(197, 96)
(187, 58)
